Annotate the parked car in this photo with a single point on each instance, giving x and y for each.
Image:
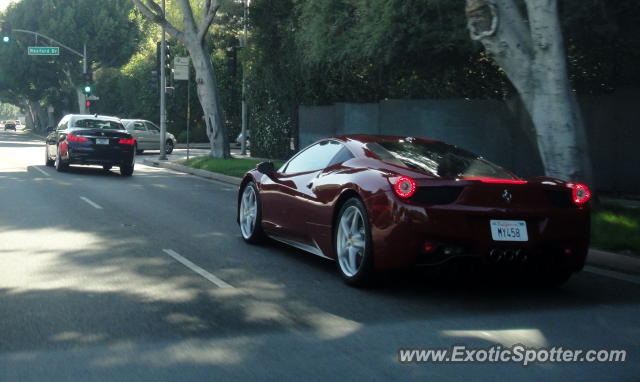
(374, 203)
(9, 125)
(90, 140)
(147, 135)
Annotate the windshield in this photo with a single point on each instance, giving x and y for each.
(437, 158)
(98, 124)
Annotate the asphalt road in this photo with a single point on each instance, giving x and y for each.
(146, 278)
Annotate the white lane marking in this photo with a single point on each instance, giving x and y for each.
(613, 274)
(41, 171)
(94, 205)
(197, 269)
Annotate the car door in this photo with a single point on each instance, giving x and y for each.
(139, 132)
(288, 195)
(153, 134)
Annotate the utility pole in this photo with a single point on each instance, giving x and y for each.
(163, 83)
(243, 141)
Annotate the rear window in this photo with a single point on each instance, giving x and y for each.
(437, 158)
(98, 124)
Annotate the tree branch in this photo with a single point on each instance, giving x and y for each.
(210, 10)
(157, 17)
(506, 39)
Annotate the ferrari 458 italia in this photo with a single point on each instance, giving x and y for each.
(374, 203)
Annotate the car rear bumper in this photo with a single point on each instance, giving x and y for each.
(93, 157)
(406, 235)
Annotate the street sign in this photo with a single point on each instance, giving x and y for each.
(181, 73)
(43, 50)
(181, 61)
(93, 98)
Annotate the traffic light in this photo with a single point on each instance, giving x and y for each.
(87, 104)
(154, 80)
(88, 80)
(6, 32)
(167, 62)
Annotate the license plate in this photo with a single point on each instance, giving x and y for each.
(102, 141)
(509, 230)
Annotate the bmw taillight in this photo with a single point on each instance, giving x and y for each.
(404, 186)
(580, 193)
(129, 142)
(75, 138)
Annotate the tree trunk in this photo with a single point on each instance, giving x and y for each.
(81, 99)
(35, 116)
(533, 57)
(209, 100)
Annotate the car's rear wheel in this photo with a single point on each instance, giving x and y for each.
(127, 169)
(168, 146)
(352, 242)
(250, 214)
(47, 160)
(59, 163)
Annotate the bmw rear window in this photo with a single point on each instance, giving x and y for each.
(98, 124)
(437, 158)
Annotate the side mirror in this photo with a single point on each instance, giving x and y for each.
(50, 129)
(266, 168)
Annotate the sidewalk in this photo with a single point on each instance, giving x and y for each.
(598, 258)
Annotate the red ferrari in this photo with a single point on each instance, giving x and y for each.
(375, 203)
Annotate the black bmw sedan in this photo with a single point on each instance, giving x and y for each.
(90, 140)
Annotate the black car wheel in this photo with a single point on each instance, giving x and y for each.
(127, 169)
(352, 243)
(250, 214)
(59, 163)
(168, 146)
(47, 160)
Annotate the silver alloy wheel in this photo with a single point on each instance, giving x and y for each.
(351, 241)
(248, 212)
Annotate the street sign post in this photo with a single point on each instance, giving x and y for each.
(181, 73)
(43, 50)
(181, 68)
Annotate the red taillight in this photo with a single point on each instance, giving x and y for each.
(404, 187)
(579, 193)
(75, 138)
(129, 142)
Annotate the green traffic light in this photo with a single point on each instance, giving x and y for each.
(87, 89)
(6, 38)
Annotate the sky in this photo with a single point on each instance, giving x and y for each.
(4, 3)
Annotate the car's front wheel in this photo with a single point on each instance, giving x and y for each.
(352, 242)
(250, 214)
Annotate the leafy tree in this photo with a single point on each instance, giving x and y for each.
(192, 36)
(112, 34)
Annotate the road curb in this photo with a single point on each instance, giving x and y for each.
(197, 172)
(596, 257)
(614, 261)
